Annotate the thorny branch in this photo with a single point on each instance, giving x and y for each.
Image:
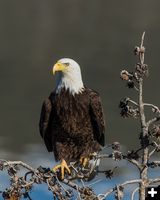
(149, 133)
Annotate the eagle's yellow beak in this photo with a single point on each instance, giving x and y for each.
(58, 67)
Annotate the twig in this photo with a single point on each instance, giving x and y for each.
(156, 180)
(20, 163)
(153, 106)
(133, 102)
(134, 162)
(121, 185)
(152, 152)
(103, 156)
(134, 192)
(142, 49)
(150, 122)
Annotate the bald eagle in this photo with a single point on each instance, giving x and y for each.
(71, 121)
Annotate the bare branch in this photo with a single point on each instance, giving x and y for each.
(152, 152)
(156, 180)
(150, 122)
(156, 109)
(142, 39)
(121, 185)
(134, 192)
(20, 163)
(142, 49)
(134, 162)
(133, 102)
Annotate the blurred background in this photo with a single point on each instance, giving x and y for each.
(99, 34)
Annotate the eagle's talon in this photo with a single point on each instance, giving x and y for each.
(84, 161)
(62, 166)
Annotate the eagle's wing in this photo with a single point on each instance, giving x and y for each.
(97, 117)
(44, 123)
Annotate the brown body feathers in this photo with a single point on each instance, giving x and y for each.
(72, 126)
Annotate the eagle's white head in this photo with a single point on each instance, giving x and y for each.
(70, 76)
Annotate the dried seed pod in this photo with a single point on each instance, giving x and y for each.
(130, 84)
(117, 155)
(43, 169)
(136, 50)
(116, 146)
(155, 132)
(1, 166)
(141, 70)
(12, 171)
(109, 174)
(69, 193)
(133, 112)
(119, 193)
(6, 194)
(124, 112)
(124, 75)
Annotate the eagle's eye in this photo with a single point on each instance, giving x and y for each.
(67, 64)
